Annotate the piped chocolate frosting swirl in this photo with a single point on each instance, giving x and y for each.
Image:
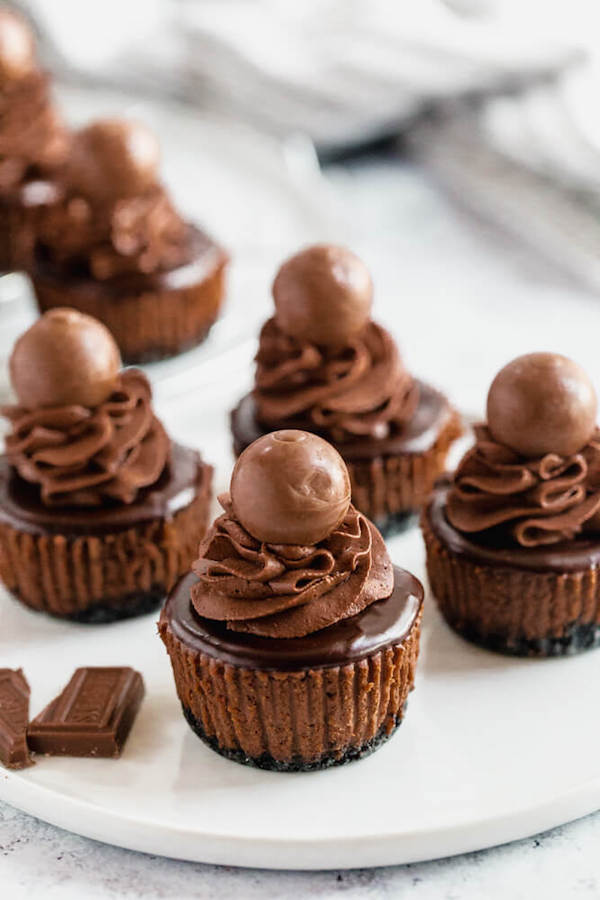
(328, 564)
(33, 140)
(533, 475)
(134, 235)
(83, 456)
(113, 217)
(288, 590)
(83, 430)
(359, 390)
(322, 364)
(536, 501)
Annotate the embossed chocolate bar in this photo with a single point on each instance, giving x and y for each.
(92, 716)
(14, 716)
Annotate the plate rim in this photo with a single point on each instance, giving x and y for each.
(307, 854)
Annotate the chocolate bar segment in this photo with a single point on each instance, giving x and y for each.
(92, 716)
(14, 717)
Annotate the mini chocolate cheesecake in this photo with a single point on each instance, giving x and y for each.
(113, 246)
(33, 140)
(100, 512)
(513, 537)
(294, 641)
(324, 366)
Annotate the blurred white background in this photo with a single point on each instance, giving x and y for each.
(510, 88)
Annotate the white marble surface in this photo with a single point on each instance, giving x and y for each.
(428, 259)
(37, 860)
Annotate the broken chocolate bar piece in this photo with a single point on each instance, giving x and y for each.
(92, 716)
(14, 716)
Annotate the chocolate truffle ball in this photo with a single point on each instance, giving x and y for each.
(17, 50)
(323, 295)
(113, 158)
(542, 403)
(290, 487)
(65, 358)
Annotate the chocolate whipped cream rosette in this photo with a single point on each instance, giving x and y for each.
(112, 245)
(100, 511)
(33, 140)
(294, 640)
(513, 536)
(324, 366)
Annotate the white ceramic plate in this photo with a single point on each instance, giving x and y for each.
(492, 749)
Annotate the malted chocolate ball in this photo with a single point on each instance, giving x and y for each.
(323, 295)
(290, 487)
(66, 358)
(113, 158)
(542, 403)
(17, 49)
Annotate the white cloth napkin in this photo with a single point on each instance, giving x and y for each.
(341, 71)
(513, 85)
(530, 163)
(345, 72)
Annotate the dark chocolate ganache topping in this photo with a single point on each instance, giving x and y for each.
(538, 501)
(351, 392)
(433, 418)
(285, 590)
(491, 548)
(184, 478)
(82, 456)
(381, 624)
